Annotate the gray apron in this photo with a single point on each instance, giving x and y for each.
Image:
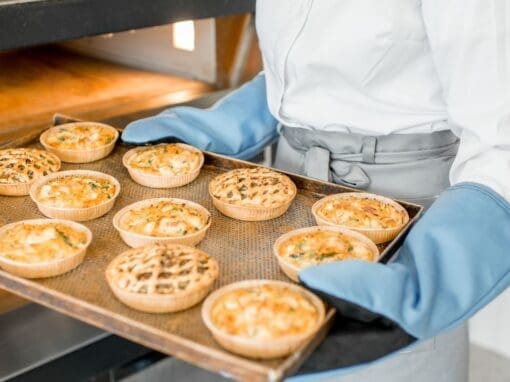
(412, 167)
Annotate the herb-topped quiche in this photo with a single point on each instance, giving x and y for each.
(304, 247)
(76, 195)
(252, 193)
(42, 247)
(20, 167)
(162, 220)
(164, 165)
(375, 216)
(80, 142)
(262, 318)
(162, 278)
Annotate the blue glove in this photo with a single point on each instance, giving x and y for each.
(454, 261)
(239, 125)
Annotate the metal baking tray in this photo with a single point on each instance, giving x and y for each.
(243, 250)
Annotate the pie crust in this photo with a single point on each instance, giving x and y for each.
(162, 278)
(162, 220)
(262, 318)
(42, 247)
(164, 165)
(78, 195)
(375, 216)
(252, 194)
(309, 246)
(80, 142)
(20, 167)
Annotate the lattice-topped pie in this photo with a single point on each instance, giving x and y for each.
(75, 195)
(377, 217)
(162, 278)
(20, 167)
(262, 318)
(80, 142)
(162, 220)
(252, 193)
(304, 247)
(42, 247)
(164, 165)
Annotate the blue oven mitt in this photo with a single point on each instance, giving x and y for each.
(455, 260)
(239, 125)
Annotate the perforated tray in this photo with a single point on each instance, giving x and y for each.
(243, 250)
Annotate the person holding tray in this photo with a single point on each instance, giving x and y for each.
(409, 99)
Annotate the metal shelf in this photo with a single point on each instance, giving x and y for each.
(34, 22)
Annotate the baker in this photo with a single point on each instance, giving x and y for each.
(405, 98)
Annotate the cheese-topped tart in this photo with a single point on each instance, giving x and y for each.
(80, 142)
(76, 195)
(262, 318)
(80, 136)
(164, 218)
(162, 278)
(164, 165)
(74, 191)
(264, 312)
(22, 166)
(304, 247)
(253, 190)
(168, 159)
(42, 247)
(378, 217)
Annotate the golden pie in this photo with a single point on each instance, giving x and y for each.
(162, 220)
(80, 142)
(20, 167)
(261, 318)
(252, 193)
(42, 247)
(377, 217)
(304, 247)
(164, 165)
(162, 278)
(75, 195)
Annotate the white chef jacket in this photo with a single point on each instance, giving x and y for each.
(396, 66)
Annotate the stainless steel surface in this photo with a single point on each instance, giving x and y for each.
(33, 335)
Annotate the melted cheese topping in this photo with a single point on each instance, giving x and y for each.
(362, 213)
(265, 312)
(168, 159)
(34, 243)
(75, 192)
(26, 165)
(253, 187)
(323, 247)
(165, 219)
(80, 137)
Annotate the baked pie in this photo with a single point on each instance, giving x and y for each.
(42, 247)
(262, 318)
(162, 220)
(304, 247)
(377, 217)
(76, 195)
(80, 142)
(252, 193)
(20, 167)
(162, 278)
(164, 165)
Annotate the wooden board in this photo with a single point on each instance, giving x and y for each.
(247, 254)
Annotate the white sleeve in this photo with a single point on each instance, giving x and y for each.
(470, 43)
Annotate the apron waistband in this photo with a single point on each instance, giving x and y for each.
(334, 156)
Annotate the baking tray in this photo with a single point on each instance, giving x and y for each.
(243, 250)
